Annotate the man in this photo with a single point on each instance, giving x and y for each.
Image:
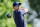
(19, 15)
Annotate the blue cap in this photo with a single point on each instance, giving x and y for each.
(16, 4)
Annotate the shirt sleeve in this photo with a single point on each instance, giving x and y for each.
(23, 12)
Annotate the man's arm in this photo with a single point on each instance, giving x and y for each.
(23, 11)
(26, 10)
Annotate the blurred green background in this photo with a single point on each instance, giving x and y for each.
(5, 8)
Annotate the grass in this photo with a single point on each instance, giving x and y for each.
(5, 8)
(9, 22)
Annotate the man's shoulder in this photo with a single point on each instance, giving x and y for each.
(20, 10)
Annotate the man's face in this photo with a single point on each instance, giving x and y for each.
(16, 7)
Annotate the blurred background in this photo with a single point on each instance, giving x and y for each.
(32, 17)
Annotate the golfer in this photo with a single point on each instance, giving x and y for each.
(19, 15)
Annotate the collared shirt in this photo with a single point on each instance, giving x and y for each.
(19, 18)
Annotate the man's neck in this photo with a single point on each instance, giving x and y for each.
(17, 10)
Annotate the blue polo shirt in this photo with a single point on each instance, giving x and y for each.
(19, 18)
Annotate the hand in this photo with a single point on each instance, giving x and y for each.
(26, 10)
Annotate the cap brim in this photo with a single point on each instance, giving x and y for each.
(19, 4)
